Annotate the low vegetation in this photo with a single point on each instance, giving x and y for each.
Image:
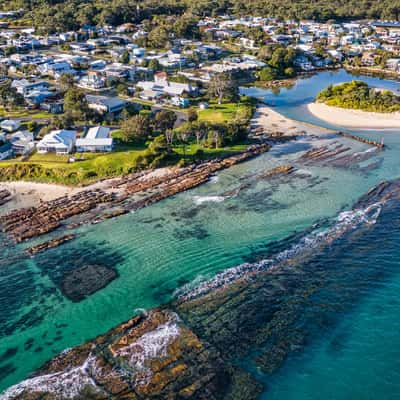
(358, 95)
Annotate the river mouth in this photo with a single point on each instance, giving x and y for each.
(195, 235)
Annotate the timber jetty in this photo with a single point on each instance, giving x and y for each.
(374, 143)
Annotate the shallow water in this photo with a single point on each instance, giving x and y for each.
(192, 236)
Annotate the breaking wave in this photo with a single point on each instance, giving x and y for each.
(63, 385)
(149, 346)
(318, 238)
(208, 199)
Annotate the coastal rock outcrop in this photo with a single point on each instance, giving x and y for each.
(153, 356)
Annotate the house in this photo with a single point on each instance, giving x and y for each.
(97, 139)
(163, 86)
(25, 87)
(22, 142)
(5, 151)
(59, 142)
(93, 81)
(56, 69)
(54, 107)
(104, 104)
(10, 125)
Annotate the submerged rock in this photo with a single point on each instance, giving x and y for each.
(86, 280)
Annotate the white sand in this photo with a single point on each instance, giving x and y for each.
(27, 194)
(268, 121)
(354, 118)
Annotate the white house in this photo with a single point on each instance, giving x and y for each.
(10, 125)
(97, 139)
(92, 81)
(104, 104)
(59, 142)
(22, 142)
(163, 86)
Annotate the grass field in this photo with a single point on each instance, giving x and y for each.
(22, 112)
(220, 113)
(89, 167)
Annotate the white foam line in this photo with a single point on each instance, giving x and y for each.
(346, 221)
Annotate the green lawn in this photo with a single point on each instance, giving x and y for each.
(219, 113)
(190, 150)
(22, 112)
(56, 168)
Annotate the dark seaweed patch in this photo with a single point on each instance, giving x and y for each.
(9, 353)
(80, 269)
(29, 343)
(195, 231)
(6, 370)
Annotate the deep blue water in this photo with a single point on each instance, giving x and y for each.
(358, 355)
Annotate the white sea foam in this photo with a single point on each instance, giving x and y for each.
(345, 222)
(214, 179)
(151, 345)
(68, 384)
(63, 385)
(208, 199)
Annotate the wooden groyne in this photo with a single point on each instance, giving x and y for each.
(30, 222)
(362, 140)
(49, 244)
(5, 196)
(27, 223)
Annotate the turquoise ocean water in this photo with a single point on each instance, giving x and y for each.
(201, 232)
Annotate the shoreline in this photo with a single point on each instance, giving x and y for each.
(267, 121)
(349, 118)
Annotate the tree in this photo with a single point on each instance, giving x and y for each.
(169, 137)
(154, 64)
(125, 57)
(267, 74)
(158, 37)
(76, 104)
(3, 69)
(223, 86)
(164, 120)
(135, 128)
(66, 81)
(192, 115)
(9, 97)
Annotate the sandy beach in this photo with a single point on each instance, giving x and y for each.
(354, 118)
(267, 121)
(30, 194)
(27, 194)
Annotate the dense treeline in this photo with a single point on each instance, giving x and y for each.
(70, 14)
(358, 95)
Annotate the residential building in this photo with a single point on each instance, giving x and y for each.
(22, 142)
(58, 141)
(97, 139)
(10, 125)
(104, 104)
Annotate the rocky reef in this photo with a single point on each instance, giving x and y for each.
(153, 356)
